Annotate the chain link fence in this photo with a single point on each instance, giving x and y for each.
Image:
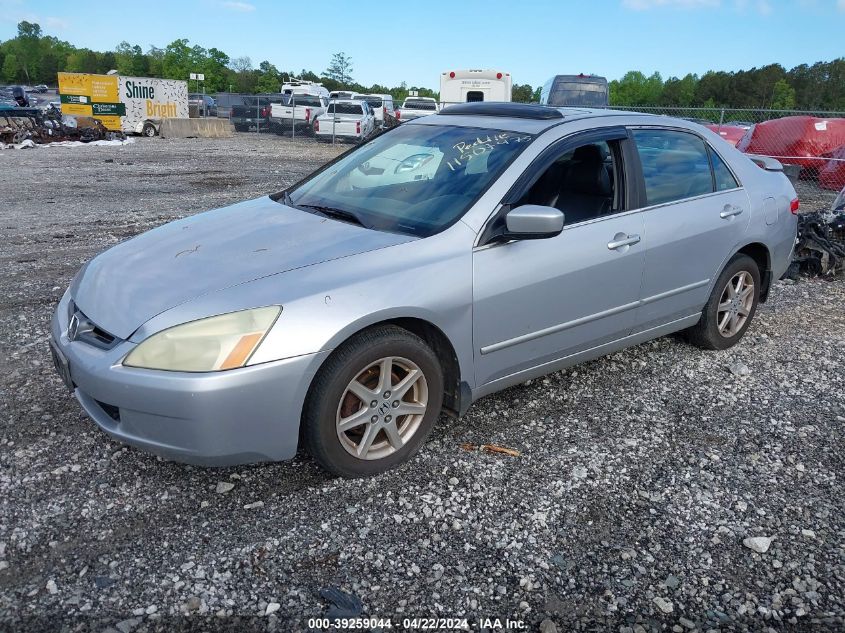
(810, 144)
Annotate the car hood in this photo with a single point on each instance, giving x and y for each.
(122, 288)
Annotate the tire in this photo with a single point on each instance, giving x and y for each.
(149, 130)
(358, 364)
(707, 333)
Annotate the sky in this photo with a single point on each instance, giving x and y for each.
(415, 40)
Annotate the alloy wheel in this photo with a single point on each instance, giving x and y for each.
(382, 408)
(735, 304)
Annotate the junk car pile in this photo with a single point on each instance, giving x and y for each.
(21, 122)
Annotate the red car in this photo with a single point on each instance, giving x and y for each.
(730, 133)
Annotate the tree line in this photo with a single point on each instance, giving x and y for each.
(816, 87)
(34, 58)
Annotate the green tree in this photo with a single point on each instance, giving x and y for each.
(340, 69)
(82, 61)
(306, 75)
(522, 93)
(242, 76)
(783, 96)
(28, 49)
(269, 79)
(48, 66)
(155, 61)
(106, 62)
(213, 63)
(11, 68)
(176, 61)
(636, 89)
(679, 92)
(131, 60)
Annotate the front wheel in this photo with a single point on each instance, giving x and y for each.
(373, 402)
(731, 306)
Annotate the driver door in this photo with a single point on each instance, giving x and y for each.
(537, 301)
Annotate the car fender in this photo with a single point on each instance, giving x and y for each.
(435, 287)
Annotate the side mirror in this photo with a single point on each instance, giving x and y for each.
(533, 222)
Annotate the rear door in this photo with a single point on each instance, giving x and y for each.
(695, 215)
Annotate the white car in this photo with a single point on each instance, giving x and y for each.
(346, 119)
(382, 106)
(416, 107)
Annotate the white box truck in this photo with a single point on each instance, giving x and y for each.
(134, 105)
(461, 86)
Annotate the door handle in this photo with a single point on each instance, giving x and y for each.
(625, 241)
(730, 210)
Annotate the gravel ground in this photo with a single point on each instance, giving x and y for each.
(640, 479)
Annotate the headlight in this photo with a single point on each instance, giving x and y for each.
(213, 344)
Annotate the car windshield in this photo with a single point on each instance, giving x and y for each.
(420, 105)
(415, 179)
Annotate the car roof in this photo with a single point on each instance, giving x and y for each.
(504, 116)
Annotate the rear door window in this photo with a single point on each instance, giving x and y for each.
(346, 108)
(675, 165)
(722, 176)
(420, 105)
(307, 100)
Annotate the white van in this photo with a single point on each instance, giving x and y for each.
(343, 94)
(302, 87)
(462, 86)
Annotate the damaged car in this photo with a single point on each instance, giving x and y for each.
(820, 248)
(446, 259)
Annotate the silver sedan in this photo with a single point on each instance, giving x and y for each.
(444, 260)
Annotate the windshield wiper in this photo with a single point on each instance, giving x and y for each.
(337, 214)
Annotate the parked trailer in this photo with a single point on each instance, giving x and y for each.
(134, 105)
(461, 86)
(582, 90)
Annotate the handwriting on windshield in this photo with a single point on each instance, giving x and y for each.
(467, 150)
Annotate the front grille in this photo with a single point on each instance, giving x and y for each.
(110, 410)
(102, 337)
(89, 332)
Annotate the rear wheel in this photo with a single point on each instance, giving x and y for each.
(148, 130)
(373, 403)
(731, 306)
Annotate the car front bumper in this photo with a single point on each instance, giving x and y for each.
(223, 418)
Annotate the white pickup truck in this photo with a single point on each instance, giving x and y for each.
(347, 119)
(416, 107)
(299, 114)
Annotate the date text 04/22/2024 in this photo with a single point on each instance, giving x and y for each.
(421, 624)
